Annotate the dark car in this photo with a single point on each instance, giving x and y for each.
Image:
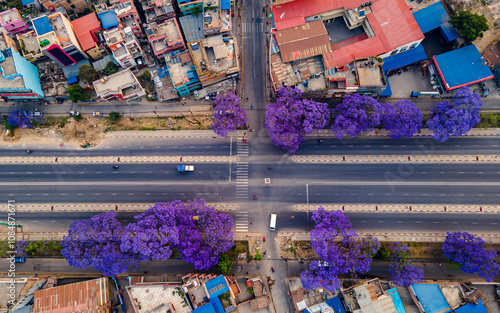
(20, 260)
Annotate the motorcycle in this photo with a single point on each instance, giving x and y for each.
(264, 239)
(255, 197)
(272, 269)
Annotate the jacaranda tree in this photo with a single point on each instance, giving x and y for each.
(337, 244)
(17, 118)
(402, 120)
(402, 273)
(356, 114)
(455, 118)
(470, 252)
(290, 118)
(96, 242)
(228, 115)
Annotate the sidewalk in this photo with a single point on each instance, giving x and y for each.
(118, 159)
(426, 159)
(406, 208)
(424, 132)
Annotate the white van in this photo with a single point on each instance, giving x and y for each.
(272, 224)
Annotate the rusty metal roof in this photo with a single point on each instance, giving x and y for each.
(303, 41)
(282, 72)
(86, 297)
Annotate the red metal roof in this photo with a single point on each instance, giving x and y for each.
(296, 21)
(391, 21)
(83, 27)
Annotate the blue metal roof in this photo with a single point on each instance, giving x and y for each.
(472, 308)
(431, 17)
(216, 286)
(26, 2)
(431, 298)
(214, 306)
(396, 300)
(336, 304)
(29, 72)
(108, 19)
(448, 31)
(42, 25)
(462, 67)
(403, 59)
(225, 4)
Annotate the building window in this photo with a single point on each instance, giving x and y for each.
(403, 49)
(414, 45)
(394, 52)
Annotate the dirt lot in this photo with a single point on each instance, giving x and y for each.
(92, 129)
(490, 9)
(295, 249)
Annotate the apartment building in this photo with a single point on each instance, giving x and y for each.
(125, 48)
(19, 79)
(157, 10)
(12, 21)
(30, 46)
(69, 5)
(119, 86)
(165, 37)
(86, 30)
(127, 15)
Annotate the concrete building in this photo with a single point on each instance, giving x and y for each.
(334, 48)
(125, 48)
(215, 59)
(162, 82)
(371, 297)
(88, 296)
(7, 42)
(119, 86)
(19, 78)
(58, 40)
(182, 72)
(69, 5)
(217, 17)
(165, 37)
(12, 22)
(157, 10)
(127, 15)
(86, 29)
(53, 80)
(30, 46)
(192, 27)
(190, 7)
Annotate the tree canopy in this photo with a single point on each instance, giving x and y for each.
(402, 273)
(228, 115)
(87, 74)
(469, 25)
(402, 120)
(110, 68)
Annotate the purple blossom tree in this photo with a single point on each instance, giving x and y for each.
(356, 114)
(290, 118)
(17, 119)
(402, 120)
(457, 118)
(320, 276)
(228, 115)
(469, 251)
(96, 242)
(21, 248)
(402, 273)
(196, 230)
(335, 242)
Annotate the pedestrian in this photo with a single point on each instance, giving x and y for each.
(439, 264)
(251, 107)
(156, 107)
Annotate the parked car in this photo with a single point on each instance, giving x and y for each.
(20, 260)
(71, 113)
(37, 113)
(96, 113)
(498, 290)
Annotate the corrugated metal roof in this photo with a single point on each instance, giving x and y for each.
(108, 19)
(192, 26)
(296, 21)
(42, 25)
(308, 8)
(431, 17)
(362, 49)
(303, 41)
(83, 28)
(282, 72)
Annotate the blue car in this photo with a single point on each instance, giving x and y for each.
(20, 260)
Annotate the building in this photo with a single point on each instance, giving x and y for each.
(12, 22)
(205, 292)
(215, 59)
(125, 48)
(217, 17)
(192, 27)
(165, 37)
(58, 40)
(128, 17)
(69, 5)
(53, 80)
(86, 30)
(182, 72)
(157, 10)
(7, 42)
(19, 78)
(370, 297)
(108, 18)
(335, 48)
(119, 86)
(30, 46)
(87, 296)
(190, 7)
(162, 82)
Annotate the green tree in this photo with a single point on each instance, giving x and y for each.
(258, 255)
(88, 74)
(75, 93)
(146, 75)
(469, 25)
(110, 68)
(115, 116)
(225, 264)
(77, 117)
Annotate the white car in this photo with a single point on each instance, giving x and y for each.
(96, 113)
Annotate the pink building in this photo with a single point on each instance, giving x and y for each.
(12, 22)
(165, 37)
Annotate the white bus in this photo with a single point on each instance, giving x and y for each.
(272, 224)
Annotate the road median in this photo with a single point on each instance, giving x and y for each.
(402, 208)
(396, 159)
(104, 207)
(118, 159)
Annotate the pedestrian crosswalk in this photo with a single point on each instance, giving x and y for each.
(257, 27)
(242, 147)
(242, 180)
(241, 221)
